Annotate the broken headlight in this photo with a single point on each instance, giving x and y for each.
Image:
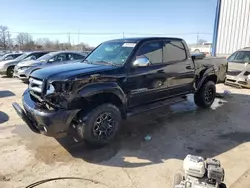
(248, 78)
(57, 87)
(50, 89)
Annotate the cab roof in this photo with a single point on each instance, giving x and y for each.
(140, 39)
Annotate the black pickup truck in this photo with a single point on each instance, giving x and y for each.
(118, 79)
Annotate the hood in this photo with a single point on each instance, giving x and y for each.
(68, 71)
(238, 66)
(29, 63)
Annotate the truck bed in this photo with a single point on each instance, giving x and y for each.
(219, 63)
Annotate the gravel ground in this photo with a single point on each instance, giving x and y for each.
(222, 131)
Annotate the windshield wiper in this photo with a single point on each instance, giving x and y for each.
(106, 62)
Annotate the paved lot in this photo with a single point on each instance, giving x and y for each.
(222, 131)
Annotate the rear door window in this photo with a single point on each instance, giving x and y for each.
(59, 58)
(173, 51)
(73, 56)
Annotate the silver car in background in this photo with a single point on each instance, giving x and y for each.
(10, 56)
(24, 69)
(238, 73)
(7, 67)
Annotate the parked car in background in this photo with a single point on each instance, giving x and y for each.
(10, 56)
(24, 69)
(7, 67)
(238, 73)
(206, 48)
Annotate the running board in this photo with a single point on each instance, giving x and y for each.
(155, 105)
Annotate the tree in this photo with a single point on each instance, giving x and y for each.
(5, 37)
(201, 41)
(25, 42)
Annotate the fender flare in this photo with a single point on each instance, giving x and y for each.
(207, 73)
(99, 88)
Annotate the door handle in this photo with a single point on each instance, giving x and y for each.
(188, 67)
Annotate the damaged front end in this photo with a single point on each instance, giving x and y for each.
(47, 107)
(239, 77)
(52, 95)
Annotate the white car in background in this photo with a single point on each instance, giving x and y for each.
(205, 48)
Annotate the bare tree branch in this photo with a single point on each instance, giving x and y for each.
(5, 41)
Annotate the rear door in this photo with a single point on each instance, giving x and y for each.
(179, 67)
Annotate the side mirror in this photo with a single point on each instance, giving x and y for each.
(51, 60)
(141, 62)
(32, 57)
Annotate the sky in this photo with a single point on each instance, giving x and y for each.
(100, 20)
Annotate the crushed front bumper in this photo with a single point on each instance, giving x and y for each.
(49, 123)
(237, 81)
(20, 74)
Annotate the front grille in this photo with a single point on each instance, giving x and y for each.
(35, 85)
(233, 73)
(230, 80)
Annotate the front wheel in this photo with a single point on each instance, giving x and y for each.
(205, 96)
(10, 71)
(100, 125)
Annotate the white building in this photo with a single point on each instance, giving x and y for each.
(232, 26)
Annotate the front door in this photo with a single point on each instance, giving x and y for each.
(147, 84)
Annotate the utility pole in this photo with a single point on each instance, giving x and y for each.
(198, 38)
(123, 34)
(69, 38)
(8, 35)
(78, 40)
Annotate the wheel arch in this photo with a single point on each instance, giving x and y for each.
(97, 94)
(205, 76)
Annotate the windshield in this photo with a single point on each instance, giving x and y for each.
(21, 57)
(115, 53)
(3, 57)
(241, 57)
(45, 57)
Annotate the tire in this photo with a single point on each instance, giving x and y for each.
(100, 125)
(177, 179)
(205, 96)
(197, 51)
(222, 185)
(10, 71)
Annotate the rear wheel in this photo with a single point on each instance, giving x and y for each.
(100, 125)
(10, 71)
(205, 96)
